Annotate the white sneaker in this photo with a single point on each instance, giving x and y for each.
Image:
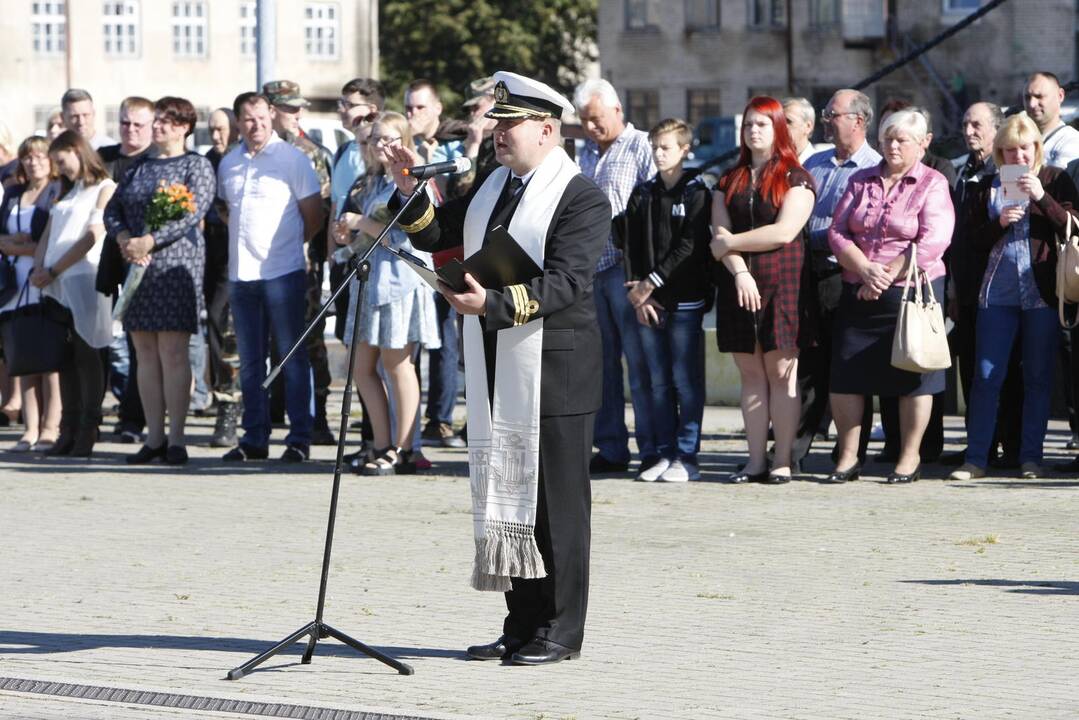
(652, 472)
(967, 471)
(677, 472)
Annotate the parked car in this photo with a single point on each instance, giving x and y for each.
(713, 137)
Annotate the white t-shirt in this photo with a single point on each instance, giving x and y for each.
(262, 191)
(1061, 146)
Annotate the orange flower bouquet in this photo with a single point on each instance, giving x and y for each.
(170, 202)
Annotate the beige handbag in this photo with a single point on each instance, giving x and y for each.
(921, 342)
(1068, 270)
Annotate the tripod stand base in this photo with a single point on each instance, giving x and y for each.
(316, 631)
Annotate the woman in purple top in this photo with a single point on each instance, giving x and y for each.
(888, 211)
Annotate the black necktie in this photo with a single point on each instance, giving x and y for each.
(506, 201)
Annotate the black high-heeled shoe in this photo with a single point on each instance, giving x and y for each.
(777, 479)
(895, 478)
(843, 476)
(147, 454)
(746, 477)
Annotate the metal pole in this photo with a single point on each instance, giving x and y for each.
(790, 48)
(265, 42)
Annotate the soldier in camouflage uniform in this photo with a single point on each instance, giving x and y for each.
(288, 104)
(220, 332)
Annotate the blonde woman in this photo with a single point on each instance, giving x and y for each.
(1018, 299)
(397, 312)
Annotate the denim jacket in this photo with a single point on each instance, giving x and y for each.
(390, 279)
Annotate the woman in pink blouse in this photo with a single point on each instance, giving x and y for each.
(887, 210)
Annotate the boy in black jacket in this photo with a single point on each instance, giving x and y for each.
(664, 238)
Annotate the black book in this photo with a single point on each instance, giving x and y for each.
(500, 263)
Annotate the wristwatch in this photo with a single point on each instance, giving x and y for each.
(52, 273)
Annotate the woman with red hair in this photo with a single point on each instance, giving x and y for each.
(759, 212)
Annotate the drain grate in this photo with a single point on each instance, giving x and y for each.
(191, 702)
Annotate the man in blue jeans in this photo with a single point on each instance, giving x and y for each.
(274, 206)
(617, 157)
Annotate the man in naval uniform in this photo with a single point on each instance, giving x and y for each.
(531, 369)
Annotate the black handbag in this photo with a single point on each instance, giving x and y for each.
(35, 336)
(9, 282)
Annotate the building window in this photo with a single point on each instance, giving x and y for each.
(48, 26)
(642, 108)
(702, 14)
(823, 13)
(961, 7)
(321, 30)
(639, 15)
(189, 29)
(121, 28)
(701, 104)
(248, 24)
(767, 13)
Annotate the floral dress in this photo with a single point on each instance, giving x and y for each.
(170, 297)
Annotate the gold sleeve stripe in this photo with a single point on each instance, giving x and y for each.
(424, 221)
(519, 301)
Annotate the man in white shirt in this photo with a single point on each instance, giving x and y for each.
(1042, 99)
(77, 110)
(1060, 143)
(274, 207)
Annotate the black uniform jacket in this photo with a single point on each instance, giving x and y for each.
(571, 382)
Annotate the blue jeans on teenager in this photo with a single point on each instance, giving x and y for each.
(674, 355)
(261, 310)
(1039, 335)
(618, 329)
(442, 366)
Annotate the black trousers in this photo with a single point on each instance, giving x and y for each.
(554, 607)
(82, 384)
(814, 366)
(130, 412)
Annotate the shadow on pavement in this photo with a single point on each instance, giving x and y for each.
(1029, 587)
(14, 642)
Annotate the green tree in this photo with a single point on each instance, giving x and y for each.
(452, 42)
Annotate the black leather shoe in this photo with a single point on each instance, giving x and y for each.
(895, 478)
(500, 649)
(777, 479)
(1068, 467)
(543, 652)
(147, 454)
(600, 465)
(843, 476)
(744, 477)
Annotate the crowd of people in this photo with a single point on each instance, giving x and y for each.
(213, 266)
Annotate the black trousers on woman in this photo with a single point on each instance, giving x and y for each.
(82, 384)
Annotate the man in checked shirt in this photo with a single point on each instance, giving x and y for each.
(617, 157)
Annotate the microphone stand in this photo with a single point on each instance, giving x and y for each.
(317, 629)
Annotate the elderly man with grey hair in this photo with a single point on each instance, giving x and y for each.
(846, 119)
(617, 157)
(801, 121)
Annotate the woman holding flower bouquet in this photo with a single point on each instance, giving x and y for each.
(156, 217)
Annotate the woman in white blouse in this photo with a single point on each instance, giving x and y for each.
(24, 214)
(65, 267)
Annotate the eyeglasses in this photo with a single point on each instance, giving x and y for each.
(369, 118)
(383, 140)
(828, 115)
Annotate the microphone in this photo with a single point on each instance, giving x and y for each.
(422, 172)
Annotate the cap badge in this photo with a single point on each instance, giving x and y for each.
(501, 93)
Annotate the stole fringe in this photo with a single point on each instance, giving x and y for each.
(503, 553)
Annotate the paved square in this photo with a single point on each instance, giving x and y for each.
(935, 600)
